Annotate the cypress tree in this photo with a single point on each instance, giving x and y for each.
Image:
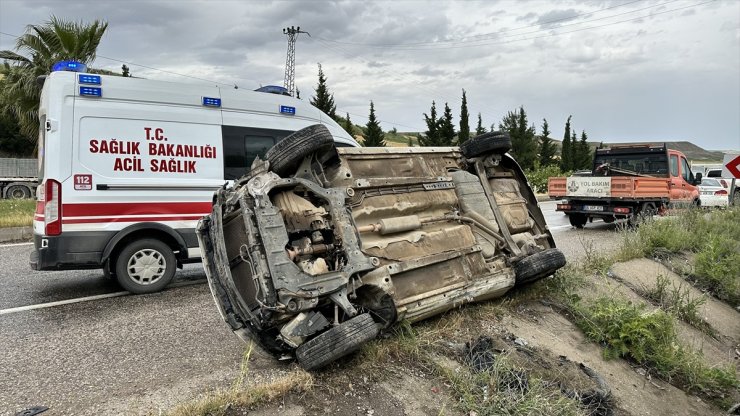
(523, 140)
(566, 163)
(323, 100)
(348, 126)
(585, 157)
(547, 147)
(374, 136)
(575, 150)
(432, 133)
(446, 128)
(464, 134)
(480, 129)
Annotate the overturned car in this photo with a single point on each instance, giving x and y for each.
(319, 248)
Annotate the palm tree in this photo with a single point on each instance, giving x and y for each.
(36, 51)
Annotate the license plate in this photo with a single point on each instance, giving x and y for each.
(707, 193)
(593, 207)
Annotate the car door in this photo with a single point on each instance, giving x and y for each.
(689, 191)
(676, 179)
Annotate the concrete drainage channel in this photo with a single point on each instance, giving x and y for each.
(12, 234)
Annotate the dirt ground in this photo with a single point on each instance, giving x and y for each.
(536, 336)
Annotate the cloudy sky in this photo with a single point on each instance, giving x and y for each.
(626, 70)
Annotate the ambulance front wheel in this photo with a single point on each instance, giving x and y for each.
(145, 266)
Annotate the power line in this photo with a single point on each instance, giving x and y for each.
(465, 45)
(145, 66)
(485, 34)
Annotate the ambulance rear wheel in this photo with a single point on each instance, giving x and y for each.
(145, 266)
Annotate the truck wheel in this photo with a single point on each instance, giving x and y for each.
(145, 266)
(539, 265)
(18, 192)
(337, 342)
(287, 154)
(578, 220)
(497, 142)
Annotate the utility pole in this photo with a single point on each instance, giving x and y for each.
(289, 82)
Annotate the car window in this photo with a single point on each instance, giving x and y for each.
(242, 144)
(674, 165)
(714, 173)
(685, 171)
(709, 182)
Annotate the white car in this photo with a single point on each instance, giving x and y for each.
(712, 193)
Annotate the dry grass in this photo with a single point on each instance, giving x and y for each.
(16, 212)
(220, 401)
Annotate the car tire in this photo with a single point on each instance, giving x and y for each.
(578, 220)
(736, 197)
(145, 266)
(18, 192)
(538, 265)
(337, 342)
(497, 142)
(287, 154)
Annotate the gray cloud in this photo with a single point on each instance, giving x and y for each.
(671, 75)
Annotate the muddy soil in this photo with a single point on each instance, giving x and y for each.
(535, 336)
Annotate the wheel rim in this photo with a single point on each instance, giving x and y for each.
(17, 193)
(146, 266)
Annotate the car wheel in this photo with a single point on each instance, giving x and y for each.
(578, 220)
(287, 154)
(337, 342)
(736, 197)
(539, 265)
(646, 212)
(145, 266)
(494, 142)
(18, 192)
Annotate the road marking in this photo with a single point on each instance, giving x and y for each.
(89, 298)
(16, 244)
(62, 302)
(560, 227)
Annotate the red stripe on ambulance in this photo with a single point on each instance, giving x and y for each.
(135, 208)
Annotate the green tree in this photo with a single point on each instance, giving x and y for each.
(323, 100)
(547, 147)
(523, 141)
(36, 51)
(374, 136)
(480, 129)
(125, 72)
(464, 134)
(12, 142)
(431, 136)
(446, 128)
(566, 163)
(575, 150)
(585, 158)
(348, 126)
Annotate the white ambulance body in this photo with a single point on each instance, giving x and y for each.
(127, 167)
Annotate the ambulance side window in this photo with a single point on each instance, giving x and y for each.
(243, 144)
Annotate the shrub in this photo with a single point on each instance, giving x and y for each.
(538, 176)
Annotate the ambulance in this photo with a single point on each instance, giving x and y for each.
(127, 167)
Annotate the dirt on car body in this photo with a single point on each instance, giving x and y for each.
(319, 248)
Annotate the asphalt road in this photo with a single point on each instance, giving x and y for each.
(138, 354)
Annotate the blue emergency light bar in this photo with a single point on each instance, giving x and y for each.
(211, 102)
(72, 66)
(91, 91)
(284, 109)
(89, 79)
